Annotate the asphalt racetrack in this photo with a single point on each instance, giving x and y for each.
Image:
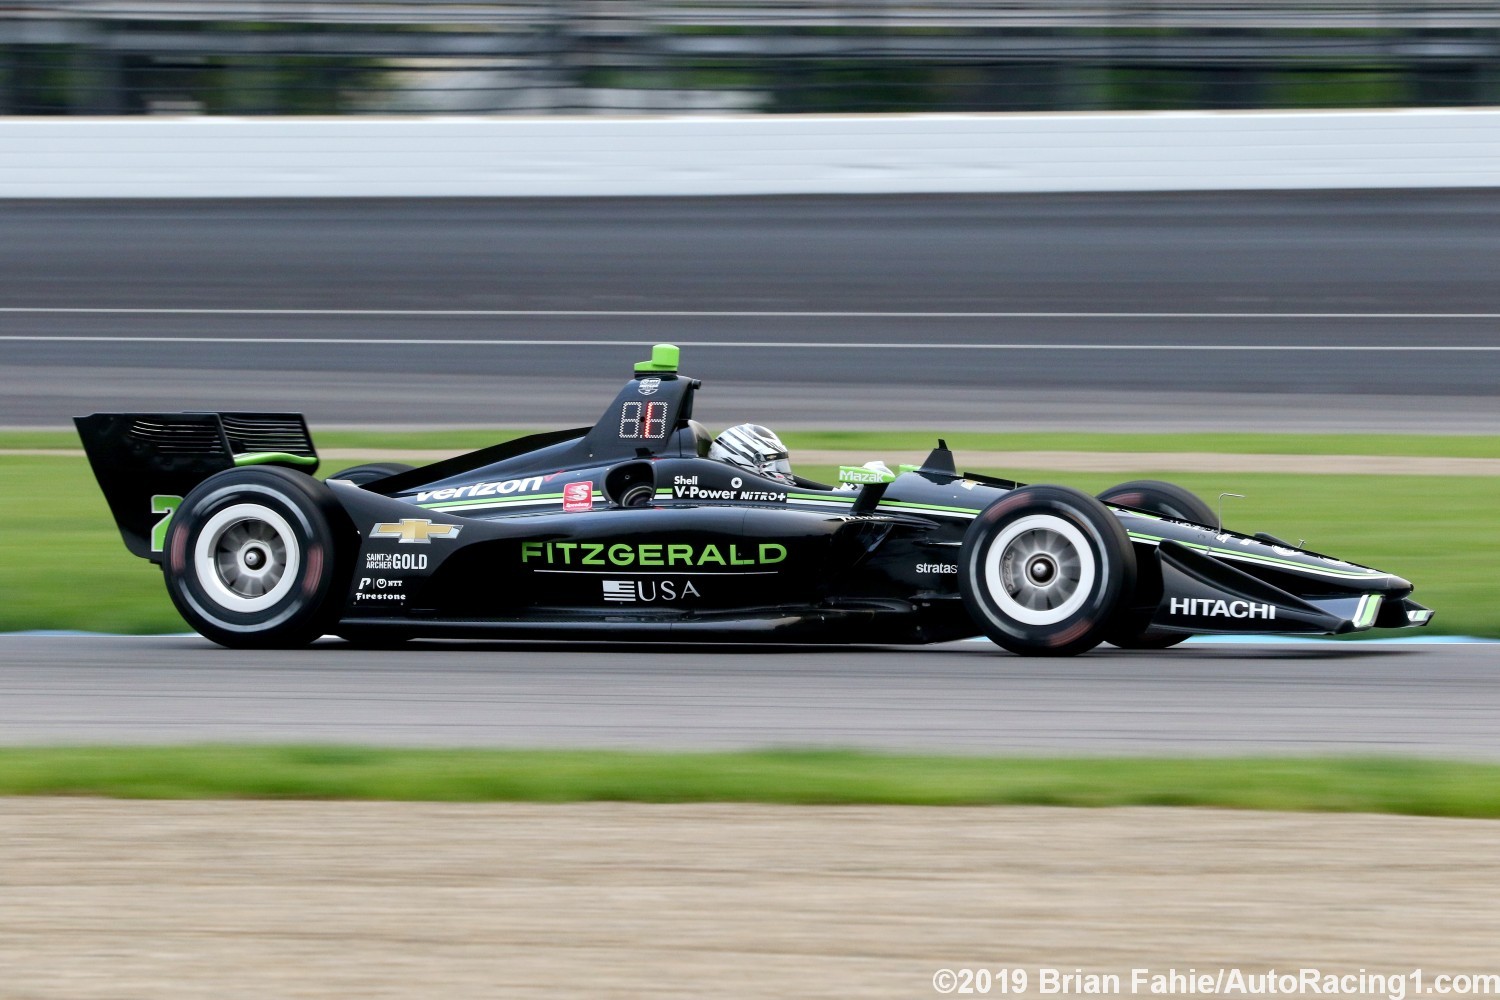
(967, 697)
(1267, 311)
(1270, 311)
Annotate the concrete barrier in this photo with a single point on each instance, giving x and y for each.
(813, 154)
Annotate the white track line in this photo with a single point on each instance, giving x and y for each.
(734, 313)
(744, 344)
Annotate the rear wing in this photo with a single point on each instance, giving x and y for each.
(147, 462)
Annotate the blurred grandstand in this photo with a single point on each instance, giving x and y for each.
(772, 56)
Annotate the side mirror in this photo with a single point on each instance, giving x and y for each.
(872, 479)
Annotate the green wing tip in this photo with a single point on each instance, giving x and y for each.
(272, 457)
(664, 358)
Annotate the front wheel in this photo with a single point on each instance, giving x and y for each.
(1138, 634)
(1157, 497)
(255, 558)
(1168, 500)
(1043, 570)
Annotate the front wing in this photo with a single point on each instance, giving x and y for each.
(1204, 594)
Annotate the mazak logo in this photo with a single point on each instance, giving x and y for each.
(415, 531)
(650, 385)
(1203, 607)
(648, 591)
(578, 497)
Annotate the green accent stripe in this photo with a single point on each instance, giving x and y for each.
(267, 457)
(499, 501)
(851, 498)
(907, 504)
(1139, 513)
(491, 501)
(927, 506)
(1257, 557)
(1369, 606)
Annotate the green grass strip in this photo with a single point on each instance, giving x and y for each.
(1375, 785)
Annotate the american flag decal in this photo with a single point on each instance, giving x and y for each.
(620, 590)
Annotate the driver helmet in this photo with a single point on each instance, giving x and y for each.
(756, 448)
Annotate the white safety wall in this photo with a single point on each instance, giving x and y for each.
(874, 154)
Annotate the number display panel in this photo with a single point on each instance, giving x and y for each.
(642, 420)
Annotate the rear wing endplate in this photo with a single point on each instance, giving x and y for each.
(147, 462)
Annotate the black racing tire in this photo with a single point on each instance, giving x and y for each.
(1169, 500)
(259, 558)
(1133, 635)
(359, 475)
(1044, 571)
(1166, 499)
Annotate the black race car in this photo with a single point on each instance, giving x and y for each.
(629, 530)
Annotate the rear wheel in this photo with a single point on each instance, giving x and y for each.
(359, 475)
(1043, 570)
(255, 558)
(1168, 500)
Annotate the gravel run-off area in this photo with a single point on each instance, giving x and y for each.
(164, 900)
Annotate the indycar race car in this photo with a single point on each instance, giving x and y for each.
(630, 530)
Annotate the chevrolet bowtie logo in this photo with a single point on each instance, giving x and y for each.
(419, 531)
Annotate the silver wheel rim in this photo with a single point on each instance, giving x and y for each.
(1040, 570)
(247, 558)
